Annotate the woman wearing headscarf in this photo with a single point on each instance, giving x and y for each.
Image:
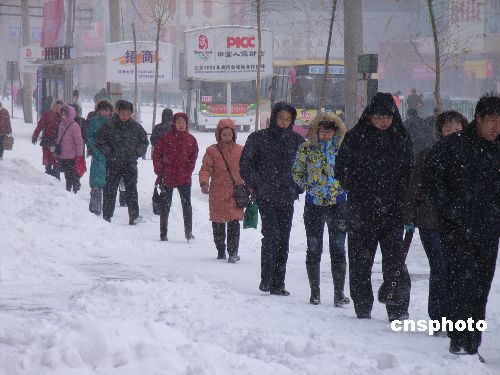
(221, 166)
(174, 159)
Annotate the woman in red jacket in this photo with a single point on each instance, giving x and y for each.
(174, 159)
(48, 125)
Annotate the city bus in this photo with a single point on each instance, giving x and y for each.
(305, 85)
(298, 82)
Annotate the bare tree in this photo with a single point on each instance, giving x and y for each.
(327, 58)
(448, 44)
(259, 62)
(135, 66)
(437, 56)
(160, 12)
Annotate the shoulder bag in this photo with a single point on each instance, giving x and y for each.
(241, 194)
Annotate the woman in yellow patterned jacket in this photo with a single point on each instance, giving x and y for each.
(313, 171)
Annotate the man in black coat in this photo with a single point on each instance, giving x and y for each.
(266, 167)
(162, 127)
(374, 166)
(421, 133)
(462, 179)
(122, 141)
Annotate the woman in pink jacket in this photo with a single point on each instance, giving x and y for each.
(70, 141)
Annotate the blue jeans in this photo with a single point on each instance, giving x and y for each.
(276, 226)
(434, 248)
(315, 217)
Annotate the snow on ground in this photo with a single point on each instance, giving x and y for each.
(80, 296)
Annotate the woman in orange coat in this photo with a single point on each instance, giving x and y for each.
(216, 181)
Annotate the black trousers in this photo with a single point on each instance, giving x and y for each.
(471, 266)
(114, 172)
(233, 236)
(72, 179)
(1, 145)
(315, 218)
(276, 225)
(166, 203)
(362, 244)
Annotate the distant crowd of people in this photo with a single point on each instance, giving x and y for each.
(362, 183)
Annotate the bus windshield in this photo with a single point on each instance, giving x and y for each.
(306, 90)
(216, 93)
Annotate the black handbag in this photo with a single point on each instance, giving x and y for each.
(393, 291)
(156, 201)
(241, 194)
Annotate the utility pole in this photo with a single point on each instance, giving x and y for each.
(259, 62)
(115, 89)
(353, 47)
(27, 102)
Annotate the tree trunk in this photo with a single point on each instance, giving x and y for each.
(437, 53)
(327, 58)
(135, 71)
(157, 66)
(259, 59)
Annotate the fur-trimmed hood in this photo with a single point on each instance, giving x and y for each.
(326, 116)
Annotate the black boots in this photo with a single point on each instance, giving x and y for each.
(187, 213)
(313, 275)
(338, 275)
(95, 204)
(233, 240)
(164, 223)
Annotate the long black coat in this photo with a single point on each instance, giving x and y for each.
(462, 179)
(421, 134)
(420, 210)
(267, 160)
(122, 142)
(163, 127)
(374, 167)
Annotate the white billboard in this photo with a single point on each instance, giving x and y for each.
(28, 55)
(227, 53)
(121, 57)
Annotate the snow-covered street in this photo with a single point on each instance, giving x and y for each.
(82, 296)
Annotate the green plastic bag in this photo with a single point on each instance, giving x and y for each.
(251, 218)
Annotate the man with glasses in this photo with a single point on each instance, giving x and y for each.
(373, 166)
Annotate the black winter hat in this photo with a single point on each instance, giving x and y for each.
(382, 104)
(104, 104)
(166, 116)
(125, 105)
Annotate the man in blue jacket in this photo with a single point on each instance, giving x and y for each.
(266, 167)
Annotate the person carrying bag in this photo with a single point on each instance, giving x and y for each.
(220, 178)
